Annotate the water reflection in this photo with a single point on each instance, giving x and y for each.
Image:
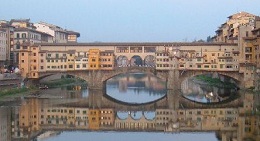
(205, 93)
(135, 88)
(62, 114)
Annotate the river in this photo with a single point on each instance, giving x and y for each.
(132, 107)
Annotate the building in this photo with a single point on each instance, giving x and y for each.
(10, 41)
(59, 34)
(5, 123)
(73, 36)
(228, 32)
(3, 47)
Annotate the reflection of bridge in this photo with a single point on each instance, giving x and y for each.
(164, 113)
(173, 100)
(97, 78)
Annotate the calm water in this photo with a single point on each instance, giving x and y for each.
(204, 93)
(135, 88)
(133, 107)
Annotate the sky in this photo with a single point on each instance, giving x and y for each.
(131, 20)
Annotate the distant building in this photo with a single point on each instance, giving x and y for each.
(228, 31)
(21, 23)
(244, 29)
(59, 34)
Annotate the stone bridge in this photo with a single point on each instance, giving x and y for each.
(96, 78)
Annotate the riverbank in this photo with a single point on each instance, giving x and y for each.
(206, 80)
(9, 95)
(63, 82)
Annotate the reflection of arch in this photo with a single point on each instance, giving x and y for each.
(149, 61)
(149, 115)
(136, 115)
(136, 60)
(122, 61)
(122, 115)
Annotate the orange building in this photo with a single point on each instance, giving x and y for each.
(93, 58)
(94, 119)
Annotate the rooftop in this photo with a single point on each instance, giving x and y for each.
(166, 44)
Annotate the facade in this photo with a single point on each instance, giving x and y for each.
(10, 41)
(59, 34)
(3, 47)
(20, 31)
(224, 57)
(228, 32)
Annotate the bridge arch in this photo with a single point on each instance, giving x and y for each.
(149, 61)
(122, 61)
(136, 60)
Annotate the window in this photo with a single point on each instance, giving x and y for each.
(22, 54)
(23, 35)
(17, 35)
(18, 46)
(70, 66)
(206, 66)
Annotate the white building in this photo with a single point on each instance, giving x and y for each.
(59, 34)
(3, 47)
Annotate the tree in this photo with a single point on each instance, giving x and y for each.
(209, 39)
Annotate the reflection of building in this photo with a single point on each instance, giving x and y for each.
(28, 116)
(94, 119)
(5, 122)
(107, 118)
(165, 117)
(249, 127)
(36, 115)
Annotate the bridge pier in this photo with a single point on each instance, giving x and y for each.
(173, 97)
(94, 80)
(172, 80)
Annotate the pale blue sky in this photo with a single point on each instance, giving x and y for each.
(131, 20)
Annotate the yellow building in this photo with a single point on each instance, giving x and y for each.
(29, 61)
(94, 59)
